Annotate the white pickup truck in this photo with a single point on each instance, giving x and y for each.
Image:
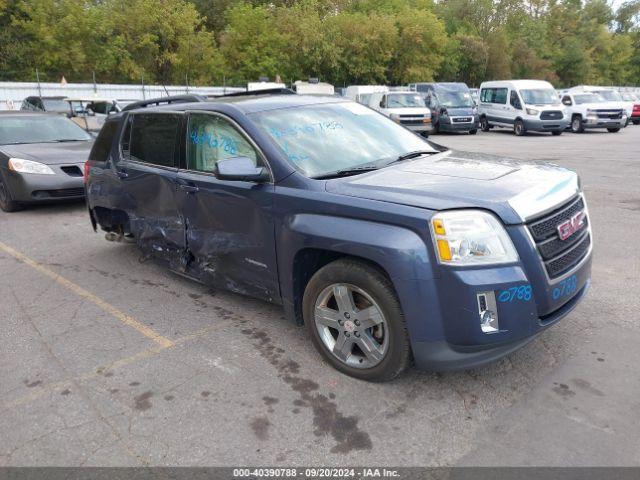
(590, 110)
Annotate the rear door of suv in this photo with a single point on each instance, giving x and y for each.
(229, 224)
(148, 168)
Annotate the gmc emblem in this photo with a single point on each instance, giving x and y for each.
(571, 226)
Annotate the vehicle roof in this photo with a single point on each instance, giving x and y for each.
(88, 99)
(50, 97)
(27, 113)
(255, 103)
(517, 84)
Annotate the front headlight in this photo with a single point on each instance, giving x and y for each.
(532, 111)
(395, 117)
(471, 237)
(592, 113)
(27, 166)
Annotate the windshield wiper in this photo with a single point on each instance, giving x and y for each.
(63, 140)
(409, 155)
(347, 172)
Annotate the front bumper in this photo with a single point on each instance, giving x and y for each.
(28, 188)
(421, 128)
(592, 122)
(537, 125)
(441, 356)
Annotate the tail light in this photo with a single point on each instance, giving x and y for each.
(86, 171)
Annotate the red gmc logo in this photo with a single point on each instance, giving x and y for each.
(571, 226)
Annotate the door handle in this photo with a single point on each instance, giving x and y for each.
(189, 188)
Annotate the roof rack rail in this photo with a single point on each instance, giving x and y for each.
(266, 91)
(154, 102)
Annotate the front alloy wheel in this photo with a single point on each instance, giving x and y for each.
(355, 320)
(576, 125)
(351, 325)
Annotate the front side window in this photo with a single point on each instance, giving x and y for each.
(514, 100)
(211, 138)
(321, 139)
(153, 138)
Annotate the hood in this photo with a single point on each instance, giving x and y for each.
(513, 190)
(409, 111)
(50, 153)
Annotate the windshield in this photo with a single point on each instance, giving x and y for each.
(35, 129)
(401, 100)
(454, 97)
(55, 105)
(542, 96)
(325, 138)
(610, 95)
(588, 98)
(629, 97)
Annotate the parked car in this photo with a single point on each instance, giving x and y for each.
(109, 106)
(45, 104)
(452, 108)
(82, 114)
(362, 93)
(610, 95)
(634, 99)
(523, 105)
(404, 107)
(590, 110)
(41, 158)
(387, 247)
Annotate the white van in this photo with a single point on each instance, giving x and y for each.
(524, 105)
(362, 93)
(406, 108)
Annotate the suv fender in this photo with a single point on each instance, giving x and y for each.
(399, 252)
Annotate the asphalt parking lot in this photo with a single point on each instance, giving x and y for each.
(106, 359)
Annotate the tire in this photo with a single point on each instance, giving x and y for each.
(556, 132)
(7, 204)
(518, 128)
(362, 288)
(635, 122)
(576, 124)
(484, 124)
(473, 132)
(613, 130)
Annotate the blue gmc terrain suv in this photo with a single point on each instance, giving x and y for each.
(388, 248)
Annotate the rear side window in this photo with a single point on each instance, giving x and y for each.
(153, 138)
(493, 95)
(102, 145)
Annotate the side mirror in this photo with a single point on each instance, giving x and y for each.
(240, 169)
(381, 103)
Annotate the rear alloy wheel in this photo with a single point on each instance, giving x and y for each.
(7, 204)
(473, 132)
(576, 124)
(518, 128)
(636, 122)
(355, 321)
(613, 130)
(484, 124)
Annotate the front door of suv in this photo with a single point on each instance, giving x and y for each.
(229, 224)
(148, 167)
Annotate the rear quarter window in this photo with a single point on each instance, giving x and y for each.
(102, 145)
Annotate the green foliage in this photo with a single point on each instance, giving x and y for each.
(341, 41)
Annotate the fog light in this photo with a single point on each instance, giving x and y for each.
(488, 312)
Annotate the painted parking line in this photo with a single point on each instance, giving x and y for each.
(78, 290)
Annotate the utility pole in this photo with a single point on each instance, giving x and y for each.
(38, 79)
(95, 87)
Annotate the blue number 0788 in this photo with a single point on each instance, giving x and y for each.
(521, 293)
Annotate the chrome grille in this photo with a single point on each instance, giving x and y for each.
(560, 256)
